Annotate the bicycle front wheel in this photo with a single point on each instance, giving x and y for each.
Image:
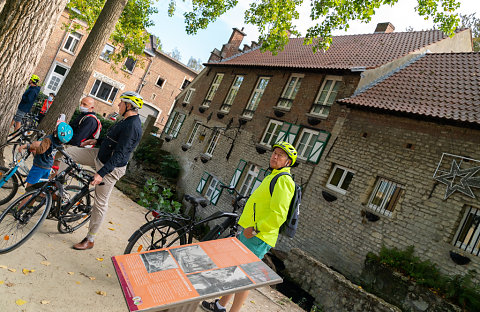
(79, 213)
(157, 234)
(10, 188)
(22, 218)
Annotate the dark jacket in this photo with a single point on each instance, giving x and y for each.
(119, 143)
(28, 98)
(83, 131)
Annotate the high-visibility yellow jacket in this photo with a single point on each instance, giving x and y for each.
(268, 212)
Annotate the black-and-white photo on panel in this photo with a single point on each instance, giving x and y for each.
(158, 261)
(192, 259)
(214, 281)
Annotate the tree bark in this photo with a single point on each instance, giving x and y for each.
(25, 27)
(69, 95)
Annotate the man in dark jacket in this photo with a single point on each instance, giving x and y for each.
(28, 98)
(86, 126)
(110, 160)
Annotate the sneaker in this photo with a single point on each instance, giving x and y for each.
(212, 306)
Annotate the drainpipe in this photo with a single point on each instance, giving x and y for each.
(142, 82)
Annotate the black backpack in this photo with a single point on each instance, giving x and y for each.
(289, 227)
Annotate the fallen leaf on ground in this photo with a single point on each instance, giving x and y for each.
(2, 282)
(109, 275)
(45, 302)
(71, 273)
(111, 229)
(92, 278)
(111, 222)
(3, 266)
(252, 301)
(12, 270)
(101, 293)
(45, 263)
(20, 302)
(27, 271)
(99, 259)
(77, 282)
(9, 284)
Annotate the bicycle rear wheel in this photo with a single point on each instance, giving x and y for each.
(18, 222)
(79, 214)
(10, 188)
(156, 234)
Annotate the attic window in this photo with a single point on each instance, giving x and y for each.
(160, 82)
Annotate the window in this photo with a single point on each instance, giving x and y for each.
(468, 234)
(154, 96)
(191, 138)
(384, 196)
(211, 188)
(326, 96)
(174, 124)
(185, 83)
(271, 133)
(129, 64)
(249, 180)
(72, 42)
(213, 89)
(288, 132)
(188, 96)
(232, 94)
(107, 51)
(340, 179)
(160, 82)
(311, 144)
(103, 91)
(212, 143)
(238, 173)
(255, 97)
(290, 91)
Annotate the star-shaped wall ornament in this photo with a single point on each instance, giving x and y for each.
(467, 180)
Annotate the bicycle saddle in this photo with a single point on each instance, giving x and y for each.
(196, 200)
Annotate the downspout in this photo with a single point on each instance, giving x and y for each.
(142, 82)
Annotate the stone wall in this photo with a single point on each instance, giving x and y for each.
(331, 290)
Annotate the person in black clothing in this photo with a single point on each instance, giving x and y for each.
(86, 126)
(110, 160)
(28, 99)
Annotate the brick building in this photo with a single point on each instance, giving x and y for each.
(155, 75)
(224, 124)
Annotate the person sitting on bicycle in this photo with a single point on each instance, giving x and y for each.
(263, 215)
(110, 160)
(28, 98)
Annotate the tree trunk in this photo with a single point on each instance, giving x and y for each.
(25, 27)
(69, 95)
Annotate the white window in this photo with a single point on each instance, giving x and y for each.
(211, 188)
(340, 179)
(106, 52)
(195, 128)
(174, 124)
(290, 91)
(185, 83)
(188, 95)
(255, 97)
(213, 89)
(160, 82)
(72, 42)
(129, 64)
(468, 233)
(103, 91)
(305, 143)
(384, 196)
(247, 185)
(326, 96)
(212, 143)
(271, 133)
(232, 94)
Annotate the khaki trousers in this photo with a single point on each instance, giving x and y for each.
(88, 157)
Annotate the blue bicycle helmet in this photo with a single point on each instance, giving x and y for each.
(64, 132)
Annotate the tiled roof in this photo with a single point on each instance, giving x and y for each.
(445, 85)
(346, 52)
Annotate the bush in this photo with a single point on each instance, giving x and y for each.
(149, 153)
(155, 198)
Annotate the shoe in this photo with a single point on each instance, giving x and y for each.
(84, 244)
(212, 306)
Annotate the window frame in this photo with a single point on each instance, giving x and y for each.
(393, 198)
(473, 246)
(253, 174)
(325, 104)
(124, 67)
(193, 133)
(183, 86)
(228, 102)
(286, 100)
(163, 83)
(99, 88)
(188, 95)
(276, 131)
(313, 133)
(337, 188)
(174, 124)
(212, 179)
(254, 100)
(212, 143)
(75, 42)
(106, 57)
(213, 89)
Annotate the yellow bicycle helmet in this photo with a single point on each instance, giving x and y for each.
(34, 79)
(133, 98)
(289, 149)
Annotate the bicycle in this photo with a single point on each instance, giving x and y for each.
(25, 215)
(168, 229)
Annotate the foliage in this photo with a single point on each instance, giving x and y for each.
(460, 289)
(155, 198)
(472, 22)
(276, 18)
(195, 64)
(176, 54)
(129, 33)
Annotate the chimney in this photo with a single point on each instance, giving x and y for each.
(233, 45)
(246, 47)
(215, 56)
(384, 28)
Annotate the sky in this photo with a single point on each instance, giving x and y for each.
(171, 30)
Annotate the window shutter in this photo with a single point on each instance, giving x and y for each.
(258, 180)
(169, 122)
(292, 133)
(179, 126)
(216, 194)
(238, 173)
(282, 134)
(202, 183)
(318, 147)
